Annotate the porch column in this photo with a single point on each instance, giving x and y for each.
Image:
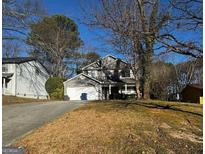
(4, 83)
(125, 88)
(109, 88)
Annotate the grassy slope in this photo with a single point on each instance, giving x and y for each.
(122, 127)
(8, 100)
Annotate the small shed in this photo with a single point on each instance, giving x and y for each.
(192, 93)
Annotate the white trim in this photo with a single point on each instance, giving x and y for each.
(80, 75)
(91, 78)
(110, 88)
(104, 58)
(109, 55)
(89, 64)
(116, 58)
(73, 77)
(4, 87)
(123, 61)
(125, 88)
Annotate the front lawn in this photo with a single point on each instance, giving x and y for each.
(8, 100)
(121, 127)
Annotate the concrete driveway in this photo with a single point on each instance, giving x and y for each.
(20, 119)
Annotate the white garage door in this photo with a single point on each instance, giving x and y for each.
(82, 93)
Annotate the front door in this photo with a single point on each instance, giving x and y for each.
(114, 93)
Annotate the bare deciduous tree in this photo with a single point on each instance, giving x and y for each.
(163, 80)
(189, 72)
(17, 15)
(85, 55)
(189, 13)
(185, 16)
(11, 48)
(132, 26)
(135, 27)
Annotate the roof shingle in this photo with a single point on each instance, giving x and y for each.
(17, 60)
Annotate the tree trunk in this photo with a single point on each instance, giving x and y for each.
(146, 65)
(137, 86)
(146, 77)
(146, 88)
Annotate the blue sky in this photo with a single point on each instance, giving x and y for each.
(71, 8)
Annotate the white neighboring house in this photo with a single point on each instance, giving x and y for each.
(24, 77)
(106, 78)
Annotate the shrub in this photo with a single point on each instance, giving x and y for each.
(54, 87)
(57, 94)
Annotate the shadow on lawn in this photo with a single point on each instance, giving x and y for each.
(156, 106)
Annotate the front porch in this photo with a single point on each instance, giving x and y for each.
(6, 83)
(117, 91)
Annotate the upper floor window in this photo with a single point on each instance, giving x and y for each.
(92, 73)
(125, 73)
(5, 68)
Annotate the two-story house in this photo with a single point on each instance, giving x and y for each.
(24, 77)
(106, 78)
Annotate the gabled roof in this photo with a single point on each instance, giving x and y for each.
(103, 59)
(17, 60)
(20, 60)
(83, 75)
(192, 86)
(109, 55)
(195, 86)
(97, 61)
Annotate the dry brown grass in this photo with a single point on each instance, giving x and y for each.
(121, 127)
(8, 100)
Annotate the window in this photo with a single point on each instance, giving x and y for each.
(125, 73)
(131, 89)
(5, 68)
